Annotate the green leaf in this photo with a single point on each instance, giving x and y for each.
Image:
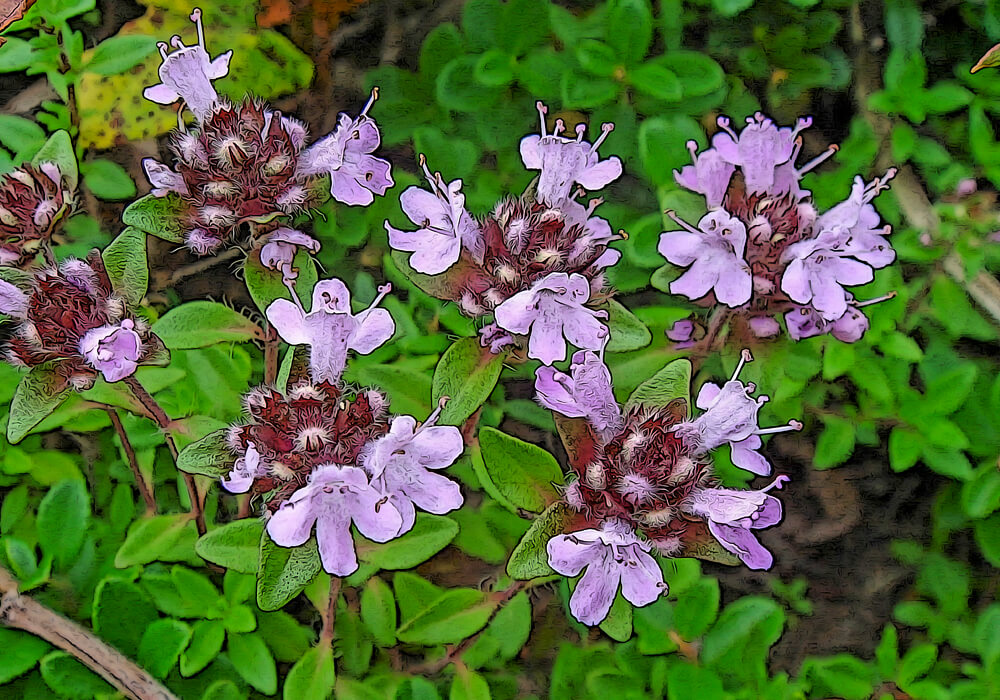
(905, 447)
(266, 285)
(685, 681)
(746, 629)
(209, 456)
(457, 88)
(284, 571)
(459, 613)
(62, 520)
(696, 608)
(107, 180)
(21, 651)
(68, 678)
(121, 613)
(253, 661)
(902, 346)
(887, 652)
(629, 28)
(586, 92)
(20, 135)
(223, 690)
(672, 383)
(981, 494)
(163, 217)
(312, 677)
(151, 538)
(467, 374)
(618, 623)
(835, 443)
(430, 534)
(38, 394)
(161, 646)
(206, 643)
(627, 331)
(378, 611)
(198, 324)
(469, 685)
(59, 150)
(731, 8)
(988, 538)
(17, 54)
(597, 57)
(529, 559)
(505, 636)
(947, 392)
(524, 474)
(235, 545)
(842, 675)
(118, 54)
(917, 661)
(126, 265)
(657, 81)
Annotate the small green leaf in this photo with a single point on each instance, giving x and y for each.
(618, 623)
(69, 678)
(657, 81)
(206, 643)
(38, 394)
(988, 538)
(629, 28)
(686, 681)
(523, 473)
(161, 646)
(150, 538)
(459, 613)
(198, 324)
(118, 54)
(235, 545)
(905, 447)
(430, 534)
(59, 150)
(21, 651)
(466, 374)
(121, 613)
(312, 677)
(126, 265)
(835, 443)
(378, 611)
(62, 520)
(469, 685)
(670, 384)
(163, 217)
(20, 135)
(284, 571)
(530, 559)
(266, 285)
(253, 661)
(750, 620)
(209, 456)
(696, 608)
(107, 180)
(627, 331)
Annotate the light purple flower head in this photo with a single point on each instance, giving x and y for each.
(280, 250)
(187, 74)
(583, 393)
(564, 162)
(806, 322)
(732, 514)
(709, 175)
(714, 251)
(552, 312)
(163, 179)
(244, 471)
(445, 226)
(400, 463)
(13, 301)
(334, 497)
(356, 176)
(612, 556)
(330, 329)
(759, 149)
(818, 278)
(854, 228)
(764, 326)
(113, 350)
(730, 415)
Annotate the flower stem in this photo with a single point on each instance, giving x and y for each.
(24, 613)
(145, 488)
(162, 420)
(330, 615)
(271, 348)
(706, 345)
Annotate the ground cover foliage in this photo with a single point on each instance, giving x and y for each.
(884, 579)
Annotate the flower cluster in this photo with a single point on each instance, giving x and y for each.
(644, 483)
(247, 164)
(535, 263)
(33, 202)
(70, 317)
(762, 248)
(327, 455)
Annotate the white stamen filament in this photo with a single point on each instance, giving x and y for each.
(745, 357)
(688, 227)
(382, 291)
(606, 129)
(876, 300)
(830, 150)
(370, 102)
(724, 123)
(542, 111)
(793, 425)
(196, 18)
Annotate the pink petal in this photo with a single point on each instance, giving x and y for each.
(292, 524)
(375, 327)
(642, 583)
(568, 554)
(289, 321)
(336, 546)
(595, 592)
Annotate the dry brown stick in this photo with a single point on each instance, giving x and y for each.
(330, 615)
(140, 481)
(24, 613)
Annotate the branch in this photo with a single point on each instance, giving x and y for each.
(140, 481)
(23, 613)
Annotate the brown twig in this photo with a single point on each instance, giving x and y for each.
(330, 614)
(24, 613)
(140, 481)
(162, 420)
(271, 348)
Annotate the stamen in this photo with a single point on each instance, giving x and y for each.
(724, 123)
(793, 425)
(688, 227)
(830, 150)
(559, 127)
(430, 176)
(370, 102)
(593, 204)
(162, 46)
(876, 300)
(382, 291)
(290, 284)
(196, 18)
(581, 128)
(542, 111)
(176, 42)
(692, 147)
(778, 482)
(802, 123)
(878, 184)
(606, 129)
(745, 356)
(433, 417)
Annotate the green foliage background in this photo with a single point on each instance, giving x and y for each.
(913, 408)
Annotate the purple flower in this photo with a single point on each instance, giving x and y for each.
(334, 497)
(611, 556)
(806, 322)
(730, 415)
(244, 471)
(709, 175)
(758, 149)
(356, 176)
(13, 301)
(583, 393)
(400, 463)
(714, 251)
(280, 250)
(445, 226)
(733, 514)
(681, 332)
(764, 326)
(564, 161)
(187, 74)
(113, 350)
(853, 226)
(330, 329)
(818, 278)
(551, 310)
(163, 179)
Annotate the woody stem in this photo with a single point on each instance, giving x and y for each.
(140, 481)
(162, 420)
(330, 615)
(271, 356)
